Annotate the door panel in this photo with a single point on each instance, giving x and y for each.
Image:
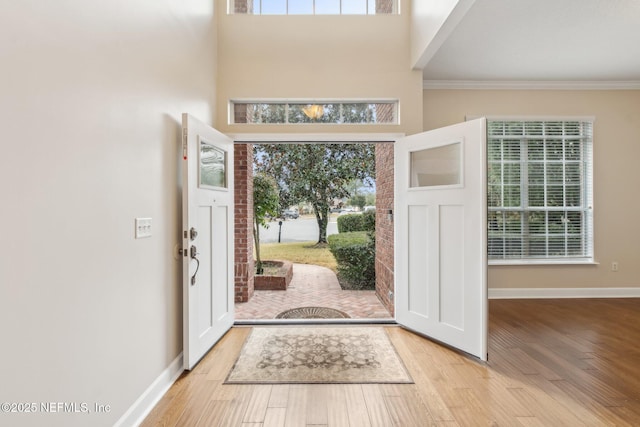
(207, 209)
(441, 262)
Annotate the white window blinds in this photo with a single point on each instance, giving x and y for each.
(540, 189)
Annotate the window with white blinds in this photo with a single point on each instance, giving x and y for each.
(540, 190)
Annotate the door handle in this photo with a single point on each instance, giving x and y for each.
(194, 255)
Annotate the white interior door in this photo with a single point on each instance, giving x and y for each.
(441, 235)
(207, 212)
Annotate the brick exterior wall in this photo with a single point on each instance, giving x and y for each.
(244, 269)
(384, 225)
(243, 6)
(384, 6)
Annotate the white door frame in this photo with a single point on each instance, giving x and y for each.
(316, 138)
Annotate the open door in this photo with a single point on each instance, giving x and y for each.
(207, 249)
(441, 235)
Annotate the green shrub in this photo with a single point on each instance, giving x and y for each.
(357, 222)
(349, 223)
(355, 253)
(369, 220)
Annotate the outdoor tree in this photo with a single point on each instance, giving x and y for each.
(358, 200)
(316, 173)
(265, 203)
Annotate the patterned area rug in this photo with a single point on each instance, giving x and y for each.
(336, 355)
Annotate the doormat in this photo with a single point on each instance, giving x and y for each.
(312, 313)
(318, 355)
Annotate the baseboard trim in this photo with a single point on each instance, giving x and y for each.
(541, 293)
(146, 402)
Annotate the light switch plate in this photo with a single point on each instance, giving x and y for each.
(143, 227)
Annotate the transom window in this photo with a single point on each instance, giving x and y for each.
(307, 112)
(314, 7)
(540, 190)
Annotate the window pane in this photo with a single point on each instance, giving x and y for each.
(239, 113)
(357, 113)
(511, 149)
(573, 196)
(274, 7)
(555, 196)
(494, 150)
(555, 173)
(300, 7)
(513, 223)
(354, 7)
(385, 112)
(575, 246)
(212, 166)
(266, 113)
(436, 166)
(574, 222)
(535, 149)
(514, 128)
(537, 222)
(538, 247)
(554, 150)
(327, 7)
(573, 173)
(536, 195)
(553, 128)
(573, 150)
(534, 128)
(511, 196)
(511, 173)
(557, 246)
(536, 173)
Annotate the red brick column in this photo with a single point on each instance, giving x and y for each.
(244, 264)
(384, 225)
(243, 6)
(384, 6)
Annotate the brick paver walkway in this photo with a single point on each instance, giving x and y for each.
(312, 286)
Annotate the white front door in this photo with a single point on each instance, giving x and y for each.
(207, 212)
(441, 235)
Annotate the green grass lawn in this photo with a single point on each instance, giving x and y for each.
(299, 252)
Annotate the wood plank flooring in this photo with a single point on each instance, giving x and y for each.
(551, 363)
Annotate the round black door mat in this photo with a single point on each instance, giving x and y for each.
(312, 313)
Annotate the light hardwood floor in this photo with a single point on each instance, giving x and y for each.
(551, 363)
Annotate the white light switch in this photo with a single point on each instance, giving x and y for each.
(143, 227)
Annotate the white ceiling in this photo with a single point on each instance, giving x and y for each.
(542, 40)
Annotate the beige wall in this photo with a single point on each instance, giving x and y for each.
(616, 175)
(92, 94)
(275, 57)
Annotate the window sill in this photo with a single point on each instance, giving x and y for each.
(546, 262)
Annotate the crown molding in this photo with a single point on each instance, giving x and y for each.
(531, 85)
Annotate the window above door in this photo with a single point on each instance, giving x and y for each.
(314, 7)
(314, 111)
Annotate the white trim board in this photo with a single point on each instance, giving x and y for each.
(152, 395)
(549, 293)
